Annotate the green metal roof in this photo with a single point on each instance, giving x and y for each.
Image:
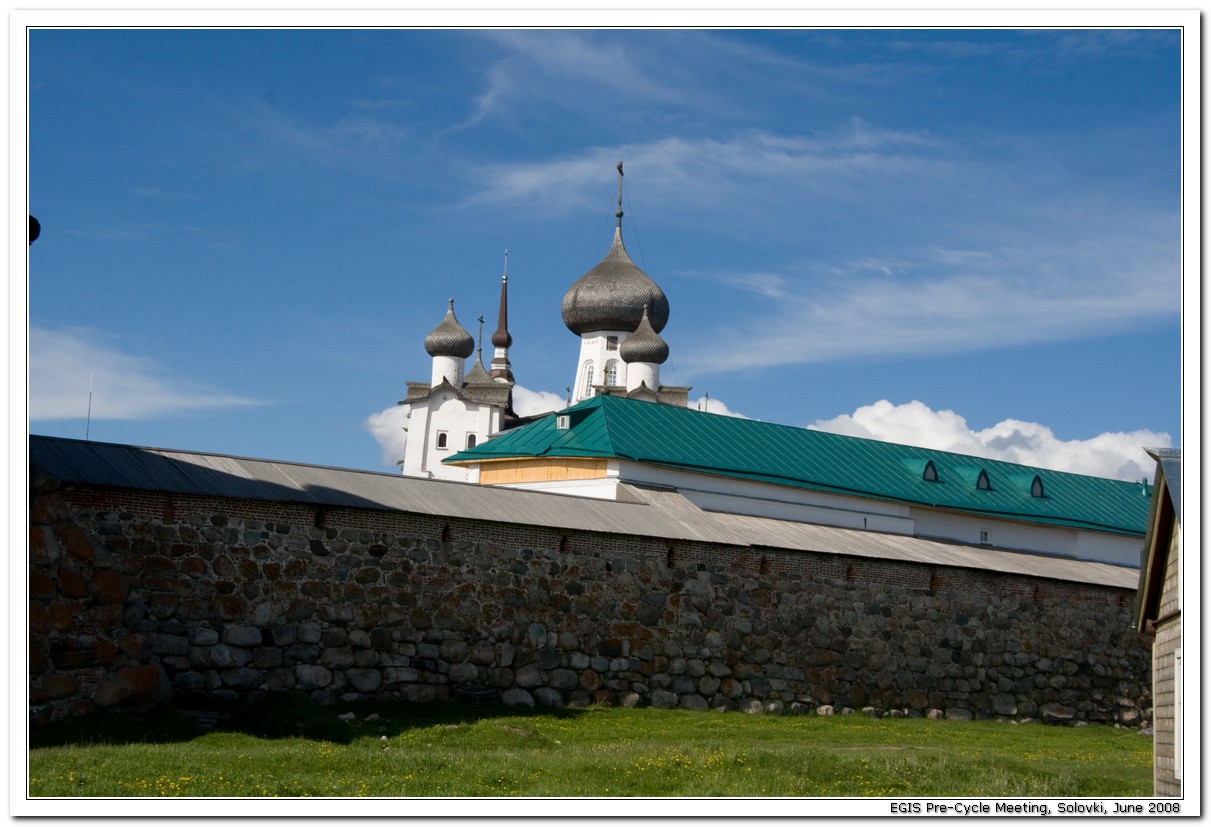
(683, 438)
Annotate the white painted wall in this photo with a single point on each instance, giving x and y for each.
(734, 496)
(596, 351)
(444, 412)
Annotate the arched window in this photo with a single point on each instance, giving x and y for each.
(471, 440)
(441, 439)
(588, 379)
(611, 373)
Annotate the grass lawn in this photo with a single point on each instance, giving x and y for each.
(285, 746)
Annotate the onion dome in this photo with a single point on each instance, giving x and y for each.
(613, 295)
(449, 338)
(644, 345)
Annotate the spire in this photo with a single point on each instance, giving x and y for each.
(619, 213)
(501, 369)
(477, 375)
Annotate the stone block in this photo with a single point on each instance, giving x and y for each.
(364, 680)
(463, 673)
(242, 677)
(242, 636)
(310, 676)
(662, 699)
(528, 677)
(337, 657)
(134, 686)
(400, 674)
(452, 650)
(1055, 713)
(1004, 704)
(517, 697)
(202, 636)
(482, 653)
(548, 696)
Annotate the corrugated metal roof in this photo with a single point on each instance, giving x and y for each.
(660, 514)
(683, 438)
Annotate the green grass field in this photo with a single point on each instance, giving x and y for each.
(284, 746)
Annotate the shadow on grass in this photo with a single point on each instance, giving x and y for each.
(272, 716)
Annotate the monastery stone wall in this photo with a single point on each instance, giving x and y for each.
(139, 598)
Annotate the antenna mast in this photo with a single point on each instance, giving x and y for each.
(89, 418)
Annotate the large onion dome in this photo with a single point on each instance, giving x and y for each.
(644, 345)
(449, 338)
(613, 295)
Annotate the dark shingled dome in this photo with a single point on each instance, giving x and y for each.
(613, 295)
(449, 338)
(644, 345)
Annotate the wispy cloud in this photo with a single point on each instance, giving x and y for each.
(359, 139)
(1113, 455)
(572, 71)
(78, 372)
(950, 300)
(710, 174)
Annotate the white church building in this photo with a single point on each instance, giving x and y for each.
(625, 436)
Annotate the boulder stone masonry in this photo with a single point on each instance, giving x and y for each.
(139, 598)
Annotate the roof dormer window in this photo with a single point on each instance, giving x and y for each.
(982, 482)
(1031, 483)
(923, 468)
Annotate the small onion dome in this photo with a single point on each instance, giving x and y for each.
(449, 338)
(501, 338)
(613, 295)
(644, 345)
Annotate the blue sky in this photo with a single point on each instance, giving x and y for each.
(969, 238)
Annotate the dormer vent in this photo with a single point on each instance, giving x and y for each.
(1031, 483)
(976, 476)
(563, 422)
(924, 468)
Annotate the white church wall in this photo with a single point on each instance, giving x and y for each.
(440, 427)
(599, 350)
(759, 499)
(1045, 539)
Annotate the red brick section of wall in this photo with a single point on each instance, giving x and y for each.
(138, 598)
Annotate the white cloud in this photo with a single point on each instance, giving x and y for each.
(387, 427)
(67, 367)
(715, 406)
(532, 403)
(1113, 455)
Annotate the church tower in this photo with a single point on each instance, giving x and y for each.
(458, 408)
(606, 307)
(502, 371)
